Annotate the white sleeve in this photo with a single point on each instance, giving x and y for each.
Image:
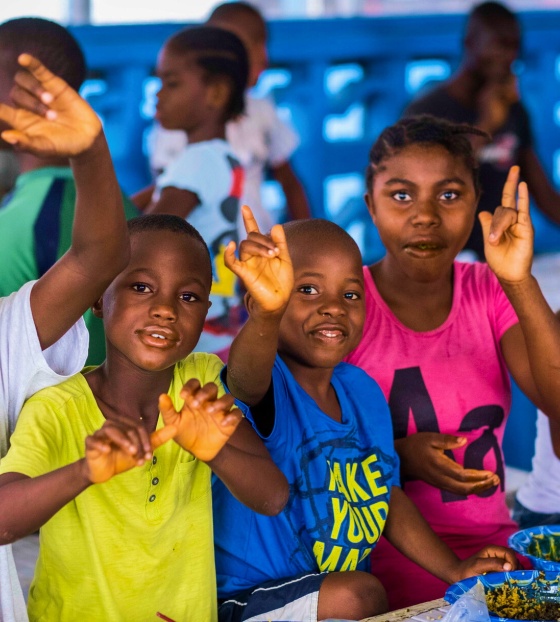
(24, 367)
(282, 138)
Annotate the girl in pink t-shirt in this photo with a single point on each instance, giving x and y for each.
(441, 336)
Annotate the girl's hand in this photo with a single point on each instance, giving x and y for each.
(205, 423)
(422, 457)
(489, 559)
(119, 446)
(264, 265)
(508, 234)
(50, 118)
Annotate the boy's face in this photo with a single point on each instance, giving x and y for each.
(154, 310)
(183, 97)
(325, 316)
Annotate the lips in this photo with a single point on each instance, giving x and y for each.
(424, 246)
(157, 336)
(329, 333)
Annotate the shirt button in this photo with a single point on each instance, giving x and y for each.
(154, 460)
(152, 498)
(155, 481)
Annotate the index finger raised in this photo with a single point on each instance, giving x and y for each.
(510, 188)
(249, 220)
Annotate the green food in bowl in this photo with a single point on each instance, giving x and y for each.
(545, 547)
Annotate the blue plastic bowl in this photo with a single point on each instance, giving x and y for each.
(494, 580)
(521, 541)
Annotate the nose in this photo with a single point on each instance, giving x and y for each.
(164, 310)
(426, 212)
(331, 306)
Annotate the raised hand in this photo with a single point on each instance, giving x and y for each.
(264, 265)
(50, 118)
(119, 446)
(508, 234)
(205, 423)
(422, 457)
(489, 559)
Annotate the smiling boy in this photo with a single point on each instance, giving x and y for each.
(327, 425)
(131, 546)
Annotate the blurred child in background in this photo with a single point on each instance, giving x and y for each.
(259, 138)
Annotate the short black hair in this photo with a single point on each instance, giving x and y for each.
(48, 41)
(301, 232)
(425, 130)
(494, 16)
(168, 222)
(221, 55)
(241, 14)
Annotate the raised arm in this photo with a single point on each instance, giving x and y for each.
(212, 432)
(532, 347)
(27, 503)
(265, 269)
(51, 119)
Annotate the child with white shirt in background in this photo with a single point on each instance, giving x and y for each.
(260, 139)
(43, 340)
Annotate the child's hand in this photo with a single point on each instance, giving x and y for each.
(264, 265)
(422, 457)
(204, 424)
(508, 234)
(119, 446)
(489, 559)
(50, 118)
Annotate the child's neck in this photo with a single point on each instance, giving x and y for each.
(121, 389)
(210, 130)
(316, 382)
(419, 305)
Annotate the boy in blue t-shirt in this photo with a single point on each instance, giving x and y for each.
(327, 426)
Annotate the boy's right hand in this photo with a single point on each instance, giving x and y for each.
(205, 423)
(423, 458)
(119, 446)
(50, 118)
(264, 265)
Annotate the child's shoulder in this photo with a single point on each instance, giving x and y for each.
(203, 366)
(356, 377)
(58, 395)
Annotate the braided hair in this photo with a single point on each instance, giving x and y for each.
(429, 131)
(221, 55)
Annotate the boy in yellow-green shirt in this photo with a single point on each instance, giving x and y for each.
(140, 544)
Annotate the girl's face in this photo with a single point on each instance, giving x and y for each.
(183, 97)
(423, 204)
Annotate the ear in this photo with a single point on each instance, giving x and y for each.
(371, 206)
(97, 308)
(218, 94)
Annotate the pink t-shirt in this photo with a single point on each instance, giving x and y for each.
(451, 380)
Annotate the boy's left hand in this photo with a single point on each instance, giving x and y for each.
(50, 118)
(508, 234)
(204, 423)
(489, 559)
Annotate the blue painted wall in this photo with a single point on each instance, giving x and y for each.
(340, 82)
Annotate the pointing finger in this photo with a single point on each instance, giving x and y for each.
(250, 222)
(510, 188)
